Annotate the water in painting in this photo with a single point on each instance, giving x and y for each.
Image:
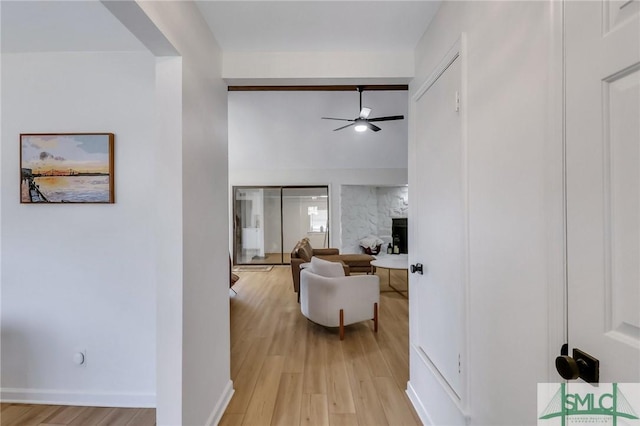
(74, 189)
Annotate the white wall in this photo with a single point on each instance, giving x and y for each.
(169, 266)
(359, 216)
(80, 277)
(205, 365)
(509, 96)
(393, 203)
(278, 138)
(368, 210)
(262, 66)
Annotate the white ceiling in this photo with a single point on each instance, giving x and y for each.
(296, 26)
(286, 131)
(62, 26)
(243, 26)
(50, 26)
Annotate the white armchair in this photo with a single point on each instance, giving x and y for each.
(336, 301)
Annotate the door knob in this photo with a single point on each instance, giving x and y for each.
(567, 367)
(416, 268)
(581, 365)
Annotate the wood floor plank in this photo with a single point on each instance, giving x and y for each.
(391, 350)
(55, 415)
(13, 412)
(119, 417)
(263, 400)
(231, 419)
(144, 417)
(296, 354)
(368, 407)
(315, 368)
(343, 419)
(396, 406)
(65, 416)
(283, 337)
(373, 355)
(288, 401)
(239, 353)
(91, 416)
(34, 416)
(247, 377)
(339, 394)
(315, 410)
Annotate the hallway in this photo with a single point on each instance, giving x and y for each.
(289, 371)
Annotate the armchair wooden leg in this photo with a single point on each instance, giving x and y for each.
(341, 324)
(375, 317)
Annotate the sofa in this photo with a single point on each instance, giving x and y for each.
(303, 252)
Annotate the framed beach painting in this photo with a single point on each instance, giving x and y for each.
(66, 168)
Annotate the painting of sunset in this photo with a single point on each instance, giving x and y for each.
(66, 168)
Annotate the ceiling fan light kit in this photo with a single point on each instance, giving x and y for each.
(363, 122)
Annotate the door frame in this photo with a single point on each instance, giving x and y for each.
(556, 193)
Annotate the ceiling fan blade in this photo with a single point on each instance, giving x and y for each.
(364, 112)
(339, 119)
(388, 118)
(373, 127)
(344, 127)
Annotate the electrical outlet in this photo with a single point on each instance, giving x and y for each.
(80, 357)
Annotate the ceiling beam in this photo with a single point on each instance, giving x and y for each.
(331, 88)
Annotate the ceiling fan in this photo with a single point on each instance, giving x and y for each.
(363, 122)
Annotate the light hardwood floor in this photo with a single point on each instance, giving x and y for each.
(289, 371)
(49, 415)
(268, 259)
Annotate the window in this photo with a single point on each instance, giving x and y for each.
(317, 218)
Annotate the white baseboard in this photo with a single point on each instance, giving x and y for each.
(221, 405)
(65, 397)
(417, 405)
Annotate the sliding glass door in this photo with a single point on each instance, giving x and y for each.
(257, 225)
(305, 212)
(269, 221)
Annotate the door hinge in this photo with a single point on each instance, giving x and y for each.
(457, 101)
(459, 365)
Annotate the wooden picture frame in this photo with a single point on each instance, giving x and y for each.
(66, 168)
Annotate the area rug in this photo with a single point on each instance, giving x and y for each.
(252, 268)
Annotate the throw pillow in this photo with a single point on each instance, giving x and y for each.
(326, 268)
(305, 251)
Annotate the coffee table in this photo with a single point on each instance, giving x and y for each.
(393, 261)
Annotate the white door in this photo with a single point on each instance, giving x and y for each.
(439, 229)
(603, 184)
